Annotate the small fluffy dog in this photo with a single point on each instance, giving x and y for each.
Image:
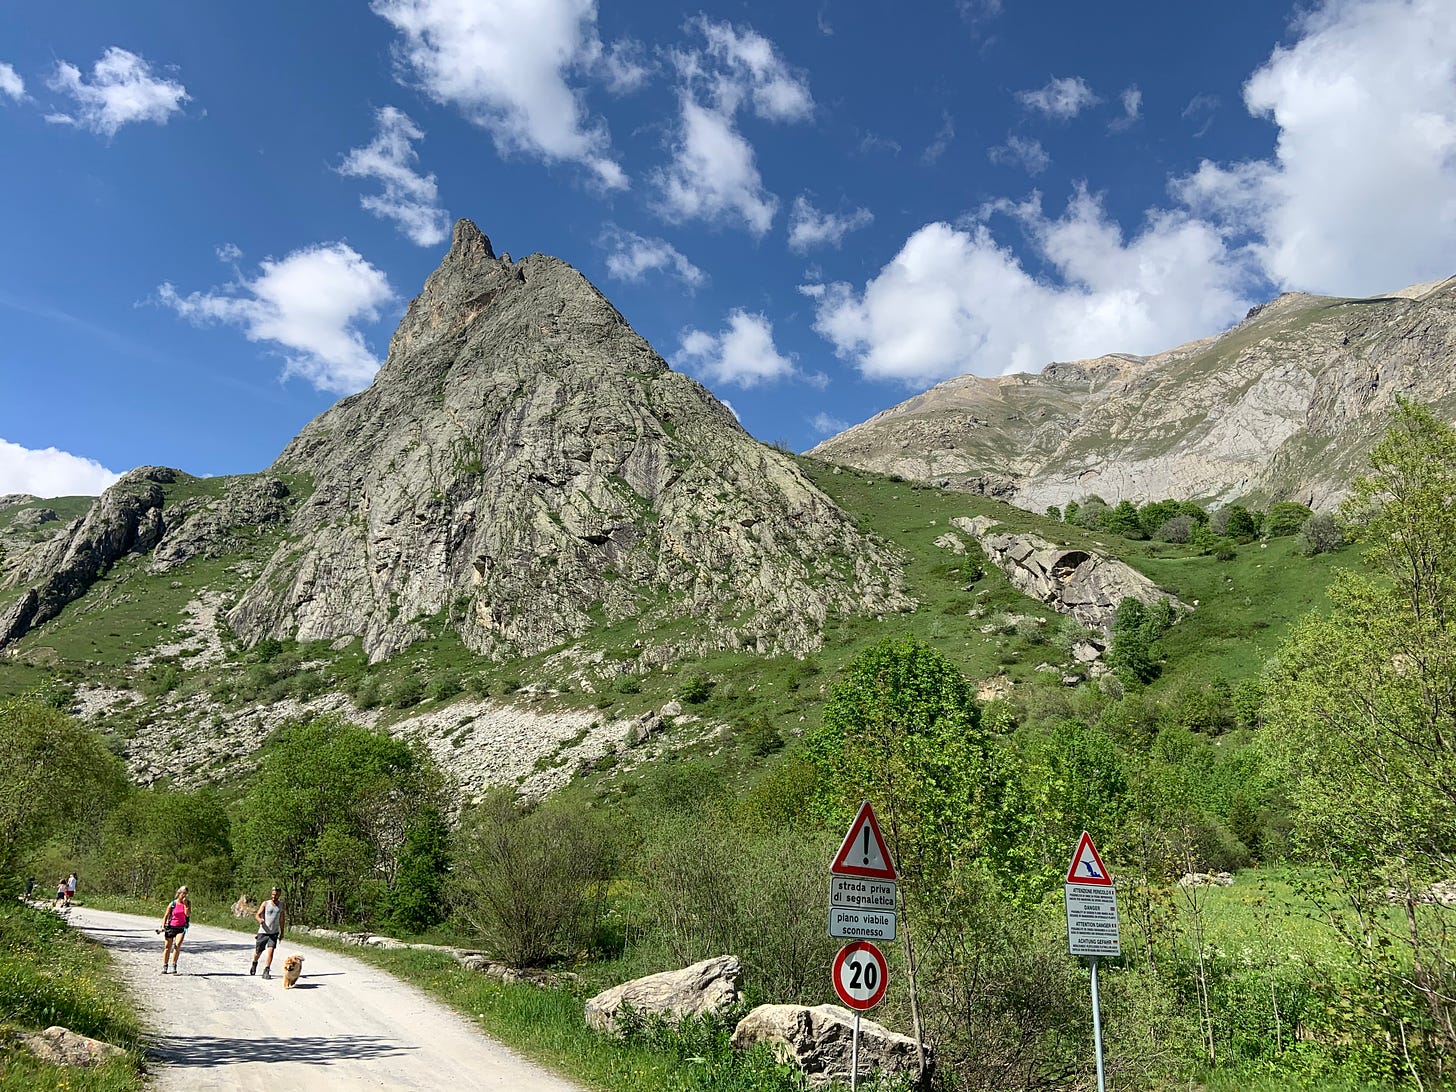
(292, 968)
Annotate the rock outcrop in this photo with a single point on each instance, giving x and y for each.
(1282, 406)
(709, 988)
(1078, 582)
(526, 464)
(136, 515)
(817, 1040)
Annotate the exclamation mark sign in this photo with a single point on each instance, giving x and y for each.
(867, 843)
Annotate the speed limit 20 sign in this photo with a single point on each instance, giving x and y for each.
(860, 975)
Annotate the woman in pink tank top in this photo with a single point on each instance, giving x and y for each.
(174, 927)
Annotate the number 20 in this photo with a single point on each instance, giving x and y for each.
(869, 970)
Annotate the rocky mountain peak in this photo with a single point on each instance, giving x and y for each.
(525, 464)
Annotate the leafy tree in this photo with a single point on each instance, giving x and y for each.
(1179, 529)
(158, 839)
(1320, 534)
(328, 813)
(1361, 718)
(1053, 512)
(901, 727)
(1123, 520)
(54, 772)
(418, 899)
(1284, 519)
(1135, 632)
(1241, 526)
(1153, 515)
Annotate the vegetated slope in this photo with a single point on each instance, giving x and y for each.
(1282, 406)
(526, 466)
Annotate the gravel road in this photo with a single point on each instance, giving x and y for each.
(346, 1025)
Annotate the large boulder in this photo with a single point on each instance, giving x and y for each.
(706, 988)
(1079, 582)
(818, 1041)
(62, 1046)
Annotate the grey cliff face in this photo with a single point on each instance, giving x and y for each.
(1282, 406)
(525, 464)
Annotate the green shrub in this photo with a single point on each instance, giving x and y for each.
(696, 689)
(445, 686)
(406, 692)
(1320, 534)
(531, 880)
(1285, 518)
(629, 684)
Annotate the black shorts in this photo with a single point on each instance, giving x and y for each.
(171, 931)
(265, 940)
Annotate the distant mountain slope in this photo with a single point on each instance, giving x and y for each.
(1282, 406)
(525, 467)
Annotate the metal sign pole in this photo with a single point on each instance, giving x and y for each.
(1096, 1028)
(854, 1055)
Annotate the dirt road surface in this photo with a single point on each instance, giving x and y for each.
(345, 1025)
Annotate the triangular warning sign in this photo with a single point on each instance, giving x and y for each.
(1087, 866)
(864, 852)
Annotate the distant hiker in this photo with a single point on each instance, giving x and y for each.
(70, 888)
(60, 892)
(174, 927)
(29, 886)
(271, 923)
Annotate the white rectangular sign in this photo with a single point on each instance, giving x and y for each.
(861, 924)
(853, 893)
(1092, 920)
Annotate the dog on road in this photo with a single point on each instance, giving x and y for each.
(292, 968)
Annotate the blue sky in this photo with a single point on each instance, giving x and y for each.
(213, 220)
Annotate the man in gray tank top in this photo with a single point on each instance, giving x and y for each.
(271, 921)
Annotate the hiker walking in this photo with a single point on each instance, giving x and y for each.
(70, 888)
(174, 927)
(271, 923)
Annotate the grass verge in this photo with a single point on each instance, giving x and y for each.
(52, 975)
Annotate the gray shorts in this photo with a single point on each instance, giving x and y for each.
(265, 940)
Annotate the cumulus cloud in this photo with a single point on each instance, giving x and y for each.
(50, 472)
(310, 305)
(633, 256)
(954, 301)
(410, 199)
(625, 66)
(1062, 98)
(505, 65)
(714, 175)
(11, 85)
(1359, 196)
(808, 227)
(741, 355)
(1023, 152)
(122, 90)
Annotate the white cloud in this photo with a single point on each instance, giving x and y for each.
(633, 256)
(1359, 196)
(122, 90)
(1201, 108)
(1132, 108)
(742, 355)
(1061, 98)
(505, 64)
(11, 85)
(50, 472)
(625, 66)
(1023, 152)
(228, 252)
(410, 199)
(310, 304)
(953, 301)
(826, 424)
(808, 227)
(940, 142)
(713, 175)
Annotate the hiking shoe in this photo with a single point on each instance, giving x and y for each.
(164, 968)
(253, 969)
(267, 973)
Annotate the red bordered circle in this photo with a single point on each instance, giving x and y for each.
(843, 975)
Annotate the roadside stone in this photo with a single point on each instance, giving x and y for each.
(818, 1040)
(709, 987)
(62, 1046)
